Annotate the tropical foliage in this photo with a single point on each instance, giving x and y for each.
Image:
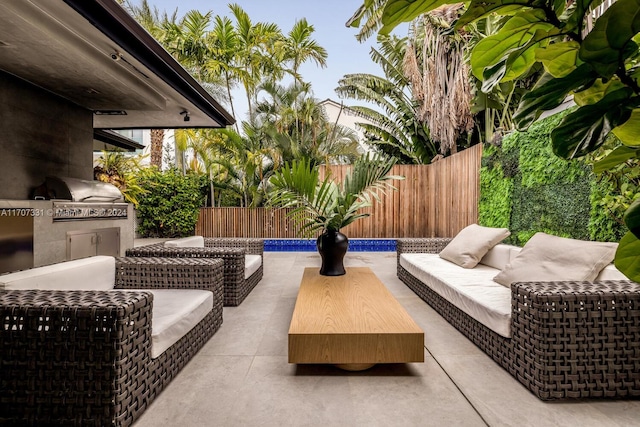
(597, 66)
(120, 169)
(284, 122)
(435, 61)
(395, 129)
(323, 204)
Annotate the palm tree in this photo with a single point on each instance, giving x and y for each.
(371, 12)
(397, 129)
(224, 49)
(155, 24)
(300, 48)
(435, 62)
(256, 55)
(297, 124)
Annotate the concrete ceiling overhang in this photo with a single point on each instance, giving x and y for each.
(93, 53)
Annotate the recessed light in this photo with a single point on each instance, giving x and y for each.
(110, 113)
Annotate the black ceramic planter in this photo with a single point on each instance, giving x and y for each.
(332, 246)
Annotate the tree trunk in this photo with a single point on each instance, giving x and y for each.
(157, 140)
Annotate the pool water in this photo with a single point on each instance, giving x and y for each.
(309, 245)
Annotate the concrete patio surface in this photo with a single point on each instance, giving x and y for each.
(241, 377)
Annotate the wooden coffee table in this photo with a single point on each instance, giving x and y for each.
(352, 321)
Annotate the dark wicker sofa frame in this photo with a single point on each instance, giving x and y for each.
(568, 339)
(83, 358)
(231, 250)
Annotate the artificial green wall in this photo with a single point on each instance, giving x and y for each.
(526, 188)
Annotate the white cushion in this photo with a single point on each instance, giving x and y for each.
(93, 273)
(186, 242)
(610, 272)
(472, 291)
(500, 255)
(547, 258)
(251, 264)
(472, 243)
(176, 312)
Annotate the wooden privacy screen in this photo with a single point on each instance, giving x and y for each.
(435, 200)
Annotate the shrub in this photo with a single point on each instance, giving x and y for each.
(170, 207)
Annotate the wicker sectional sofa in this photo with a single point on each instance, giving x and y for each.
(560, 339)
(237, 253)
(92, 342)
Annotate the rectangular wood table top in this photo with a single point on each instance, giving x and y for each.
(350, 320)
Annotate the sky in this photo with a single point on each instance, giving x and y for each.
(345, 54)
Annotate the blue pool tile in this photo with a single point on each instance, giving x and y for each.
(309, 245)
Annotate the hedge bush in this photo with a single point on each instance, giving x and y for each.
(170, 207)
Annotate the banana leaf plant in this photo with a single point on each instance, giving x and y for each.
(323, 204)
(599, 67)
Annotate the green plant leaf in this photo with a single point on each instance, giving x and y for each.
(479, 8)
(559, 59)
(575, 21)
(518, 36)
(629, 131)
(548, 93)
(596, 91)
(585, 129)
(611, 38)
(628, 256)
(398, 11)
(618, 156)
(632, 218)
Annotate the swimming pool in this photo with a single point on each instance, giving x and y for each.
(309, 245)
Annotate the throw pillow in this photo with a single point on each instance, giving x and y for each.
(472, 243)
(547, 258)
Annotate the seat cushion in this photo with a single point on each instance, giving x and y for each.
(471, 290)
(186, 242)
(251, 264)
(176, 312)
(472, 243)
(547, 258)
(93, 273)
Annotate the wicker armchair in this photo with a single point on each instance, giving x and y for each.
(83, 358)
(231, 250)
(568, 340)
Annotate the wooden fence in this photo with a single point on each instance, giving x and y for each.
(433, 200)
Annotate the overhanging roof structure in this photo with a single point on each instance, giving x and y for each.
(93, 53)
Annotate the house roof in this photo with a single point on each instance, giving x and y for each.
(93, 53)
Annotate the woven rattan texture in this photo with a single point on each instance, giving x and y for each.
(569, 339)
(230, 250)
(83, 358)
(66, 355)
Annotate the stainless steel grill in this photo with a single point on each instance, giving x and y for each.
(78, 190)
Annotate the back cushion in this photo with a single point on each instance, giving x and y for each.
(186, 242)
(94, 273)
(499, 256)
(610, 272)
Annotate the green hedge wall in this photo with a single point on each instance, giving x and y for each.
(526, 188)
(171, 204)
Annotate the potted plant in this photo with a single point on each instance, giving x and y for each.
(328, 206)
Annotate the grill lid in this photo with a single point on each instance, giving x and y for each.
(80, 190)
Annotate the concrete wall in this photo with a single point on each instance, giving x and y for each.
(40, 134)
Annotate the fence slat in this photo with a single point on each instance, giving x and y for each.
(434, 200)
